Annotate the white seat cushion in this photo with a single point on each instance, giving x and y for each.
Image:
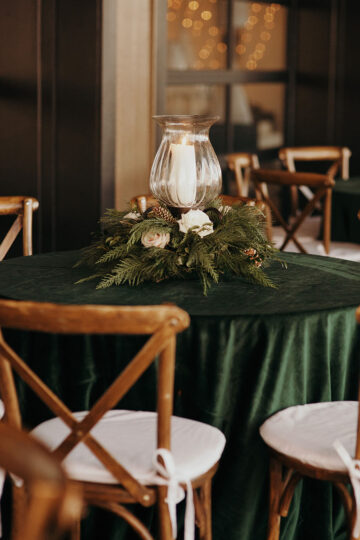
(130, 436)
(307, 432)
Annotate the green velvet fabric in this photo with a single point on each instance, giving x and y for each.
(345, 226)
(248, 353)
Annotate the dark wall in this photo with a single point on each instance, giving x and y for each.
(328, 75)
(50, 77)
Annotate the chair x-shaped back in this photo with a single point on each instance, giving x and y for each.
(23, 208)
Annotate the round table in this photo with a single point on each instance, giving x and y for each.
(345, 225)
(249, 352)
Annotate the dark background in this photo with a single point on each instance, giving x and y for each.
(50, 102)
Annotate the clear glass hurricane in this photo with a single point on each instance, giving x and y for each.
(186, 172)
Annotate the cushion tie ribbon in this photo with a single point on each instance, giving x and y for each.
(176, 493)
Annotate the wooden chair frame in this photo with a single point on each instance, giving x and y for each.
(285, 473)
(53, 504)
(322, 186)
(161, 323)
(241, 164)
(340, 156)
(23, 208)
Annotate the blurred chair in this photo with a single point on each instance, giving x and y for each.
(52, 504)
(320, 183)
(143, 202)
(114, 453)
(301, 443)
(23, 208)
(241, 163)
(338, 156)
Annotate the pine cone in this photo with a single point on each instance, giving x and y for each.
(162, 213)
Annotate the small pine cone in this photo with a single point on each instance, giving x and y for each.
(251, 252)
(162, 213)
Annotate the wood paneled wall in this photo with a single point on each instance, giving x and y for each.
(50, 82)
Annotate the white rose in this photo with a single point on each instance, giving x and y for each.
(152, 239)
(132, 215)
(197, 220)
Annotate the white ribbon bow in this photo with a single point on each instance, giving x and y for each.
(176, 493)
(353, 467)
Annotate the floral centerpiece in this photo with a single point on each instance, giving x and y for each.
(188, 232)
(154, 245)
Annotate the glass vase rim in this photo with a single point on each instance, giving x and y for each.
(186, 119)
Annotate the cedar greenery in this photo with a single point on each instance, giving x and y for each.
(237, 246)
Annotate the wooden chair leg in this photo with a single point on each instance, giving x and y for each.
(75, 530)
(274, 500)
(205, 496)
(18, 509)
(327, 220)
(27, 227)
(164, 516)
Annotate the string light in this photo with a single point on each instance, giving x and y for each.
(193, 5)
(206, 15)
(213, 31)
(171, 16)
(187, 23)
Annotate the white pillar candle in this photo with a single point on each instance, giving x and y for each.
(182, 176)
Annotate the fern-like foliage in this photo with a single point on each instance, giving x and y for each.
(237, 246)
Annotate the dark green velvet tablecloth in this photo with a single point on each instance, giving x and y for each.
(345, 225)
(249, 352)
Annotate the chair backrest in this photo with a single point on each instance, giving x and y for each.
(53, 504)
(161, 323)
(242, 163)
(339, 156)
(23, 208)
(143, 202)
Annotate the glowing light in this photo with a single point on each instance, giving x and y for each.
(240, 49)
(253, 20)
(268, 17)
(193, 5)
(206, 15)
(187, 23)
(221, 47)
(265, 36)
(251, 65)
(204, 54)
(213, 30)
(198, 25)
(171, 16)
(260, 47)
(256, 7)
(258, 55)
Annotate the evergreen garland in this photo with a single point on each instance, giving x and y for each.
(237, 246)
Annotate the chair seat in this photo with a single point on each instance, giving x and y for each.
(130, 436)
(307, 432)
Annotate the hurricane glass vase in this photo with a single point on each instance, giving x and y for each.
(186, 173)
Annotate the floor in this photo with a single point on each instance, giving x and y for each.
(307, 235)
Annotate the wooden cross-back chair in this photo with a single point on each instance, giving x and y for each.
(117, 478)
(241, 164)
(143, 202)
(338, 156)
(52, 503)
(23, 208)
(301, 441)
(322, 189)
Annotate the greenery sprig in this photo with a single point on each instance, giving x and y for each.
(153, 246)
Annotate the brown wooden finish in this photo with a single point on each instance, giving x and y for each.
(143, 202)
(286, 471)
(241, 163)
(161, 324)
(23, 208)
(53, 504)
(322, 186)
(340, 156)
